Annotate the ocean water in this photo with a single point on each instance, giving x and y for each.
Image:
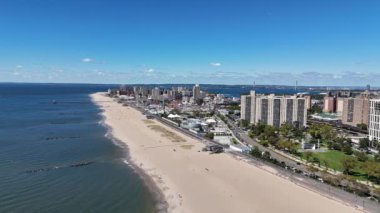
(54, 156)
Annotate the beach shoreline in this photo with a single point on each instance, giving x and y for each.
(161, 205)
(225, 191)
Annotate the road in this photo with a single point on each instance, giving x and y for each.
(339, 126)
(242, 136)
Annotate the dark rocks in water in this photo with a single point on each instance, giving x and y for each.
(60, 167)
(61, 138)
(82, 164)
(38, 170)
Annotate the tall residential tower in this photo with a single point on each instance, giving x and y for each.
(274, 110)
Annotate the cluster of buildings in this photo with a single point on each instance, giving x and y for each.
(350, 110)
(185, 94)
(275, 110)
(190, 108)
(355, 110)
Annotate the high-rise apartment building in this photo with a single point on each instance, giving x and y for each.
(197, 92)
(339, 105)
(374, 119)
(156, 93)
(329, 104)
(274, 110)
(307, 99)
(245, 112)
(356, 110)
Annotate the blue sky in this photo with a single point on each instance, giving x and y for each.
(320, 42)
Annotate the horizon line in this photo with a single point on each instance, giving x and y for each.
(260, 85)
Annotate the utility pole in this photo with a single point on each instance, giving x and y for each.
(363, 207)
(163, 103)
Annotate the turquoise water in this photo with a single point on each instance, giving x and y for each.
(54, 156)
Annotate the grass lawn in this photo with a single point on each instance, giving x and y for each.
(332, 157)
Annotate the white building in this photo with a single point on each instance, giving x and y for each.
(223, 112)
(374, 119)
(222, 135)
(191, 123)
(240, 148)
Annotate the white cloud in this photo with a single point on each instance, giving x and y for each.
(19, 66)
(215, 64)
(87, 60)
(150, 70)
(16, 73)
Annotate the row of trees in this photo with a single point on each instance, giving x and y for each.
(344, 181)
(283, 138)
(350, 184)
(280, 138)
(358, 161)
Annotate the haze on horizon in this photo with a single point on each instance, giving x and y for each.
(320, 43)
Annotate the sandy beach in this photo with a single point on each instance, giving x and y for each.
(195, 181)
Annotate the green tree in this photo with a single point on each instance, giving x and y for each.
(266, 155)
(233, 106)
(314, 131)
(314, 109)
(347, 148)
(372, 169)
(269, 131)
(377, 158)
(361, 156)
(362, 126)
(244, 123)
(286, 130)
(326, 132)
(297, 133)
(348, 163)
(364, 143)
(209, 135)
(234, 141)
(264, 143)
(273, 140)
(258, 129)
(256, 152)
(317, 161)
